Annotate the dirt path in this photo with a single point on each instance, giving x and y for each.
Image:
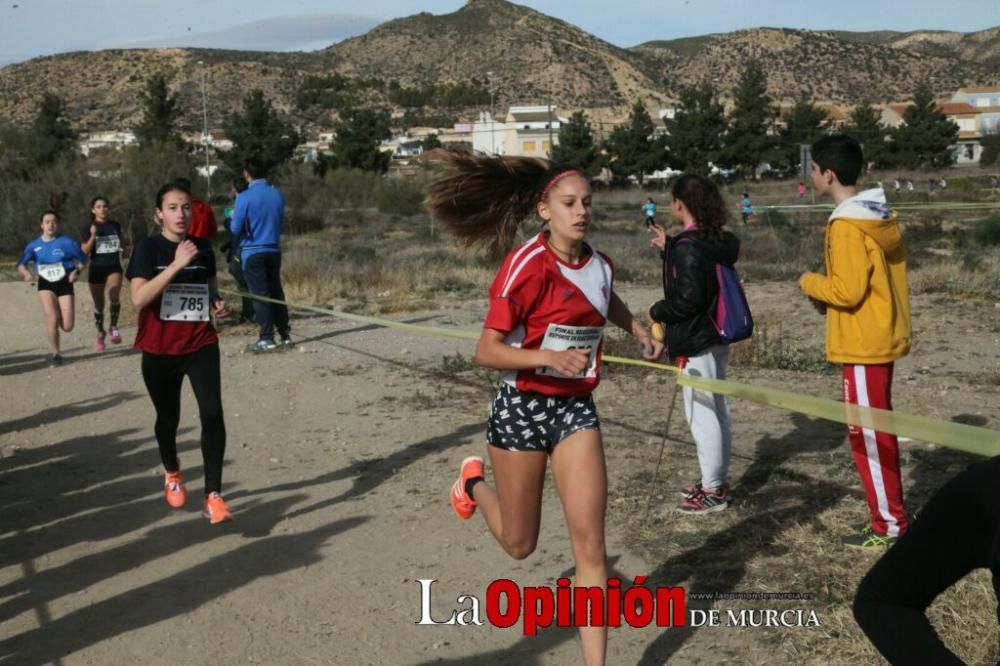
(339, 459)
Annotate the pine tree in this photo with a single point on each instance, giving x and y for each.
(694, 134)
(359, 133)
(259, 134)
(50, 136)
(805, 123)
(747, 142)
(926, 136)
(576, 145)
(430, 142)
(633, 149)
(866, 126)
(991, 148)
(159, 113)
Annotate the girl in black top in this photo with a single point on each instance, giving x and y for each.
(691, 290)
(174, 291)
(103, 242)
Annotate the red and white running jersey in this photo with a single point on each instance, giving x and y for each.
(538, 298)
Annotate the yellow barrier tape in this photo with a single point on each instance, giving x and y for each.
(913, 206)
(972, 439)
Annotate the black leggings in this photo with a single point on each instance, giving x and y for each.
(954, 534)
(164, 375)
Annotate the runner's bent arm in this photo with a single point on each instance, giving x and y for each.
(145, 291)
(88, 236)
(493, 352)
(619, 314)
(218, 303)
(22, 263)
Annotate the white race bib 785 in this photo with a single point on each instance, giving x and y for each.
(184, 302)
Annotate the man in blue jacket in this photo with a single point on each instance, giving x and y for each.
(257, 219)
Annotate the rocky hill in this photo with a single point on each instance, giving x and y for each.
(531, 55)
(841, 67)
(533, 58)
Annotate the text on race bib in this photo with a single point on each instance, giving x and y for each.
(185, 303)
(108, 245)
(562, 338)
(52, 272)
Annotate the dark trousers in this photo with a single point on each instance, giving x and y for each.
(164, 375)
(956, 532)
(246, 305)
(263, 275)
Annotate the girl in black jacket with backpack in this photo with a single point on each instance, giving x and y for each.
(693, 341)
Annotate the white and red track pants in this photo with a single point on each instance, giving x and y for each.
(876, 454)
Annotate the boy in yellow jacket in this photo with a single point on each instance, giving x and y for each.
(864, 296)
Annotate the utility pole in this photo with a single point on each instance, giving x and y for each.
(204, 132)
(493, 121)
(550, 126)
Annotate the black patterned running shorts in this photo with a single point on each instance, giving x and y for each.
(527, 421)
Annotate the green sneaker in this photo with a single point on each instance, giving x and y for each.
(868, 539)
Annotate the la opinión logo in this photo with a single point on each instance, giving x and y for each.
(538, 607)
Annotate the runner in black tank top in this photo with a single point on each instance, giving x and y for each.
(103, 242)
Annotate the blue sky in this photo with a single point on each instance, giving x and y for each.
(29, 28)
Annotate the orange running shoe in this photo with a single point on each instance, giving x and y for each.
(173, 488)
(215, 509)
(463, 504)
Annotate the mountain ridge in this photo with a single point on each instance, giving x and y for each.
(534, 58)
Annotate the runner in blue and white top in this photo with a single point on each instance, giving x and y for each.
(649, 208)
(58, 261)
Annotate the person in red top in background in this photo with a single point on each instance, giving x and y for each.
(203, 224)
(174, 288)
(544, 331)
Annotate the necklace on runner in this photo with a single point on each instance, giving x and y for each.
(564, 253)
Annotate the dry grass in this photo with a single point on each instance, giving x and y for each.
(795, 493)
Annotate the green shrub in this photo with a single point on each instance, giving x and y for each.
(987, 231)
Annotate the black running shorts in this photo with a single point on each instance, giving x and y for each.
(527, 421)
(61, 287)
(99, 274)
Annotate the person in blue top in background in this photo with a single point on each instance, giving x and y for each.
(58, 261)
(746, 207)
(257, 221)
(649, 208)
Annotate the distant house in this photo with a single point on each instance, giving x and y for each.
(488, 135)
(973, 120)
(532, 131)
(984, 102)
(459, 136)
(210, 170)
(216, 139)
(529, 131)
(402, 146)
(106, 139)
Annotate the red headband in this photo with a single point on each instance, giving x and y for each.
(559, 176)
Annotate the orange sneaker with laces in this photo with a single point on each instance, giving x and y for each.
(461, 502)
(215, 509)
(173, 488)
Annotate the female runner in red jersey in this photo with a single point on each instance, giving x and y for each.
(548, 307)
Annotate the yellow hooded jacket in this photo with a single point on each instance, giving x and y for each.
(865, 287)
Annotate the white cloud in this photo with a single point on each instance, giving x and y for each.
(284, 33)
